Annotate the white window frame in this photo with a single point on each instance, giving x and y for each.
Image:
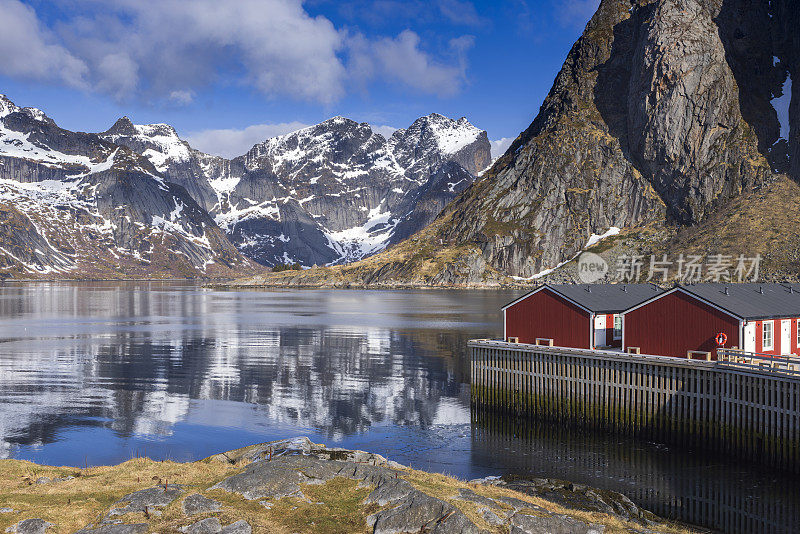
(797, 329)
(617, 335)
(764, 345)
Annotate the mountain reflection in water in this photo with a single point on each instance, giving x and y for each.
(95, 373)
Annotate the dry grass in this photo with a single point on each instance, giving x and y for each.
(332, 508)
(72, 504)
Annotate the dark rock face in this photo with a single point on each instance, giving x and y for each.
(660, 113)
(330, 193)
(172, 156)
(74, 204)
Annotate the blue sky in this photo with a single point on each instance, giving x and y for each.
(228, 74)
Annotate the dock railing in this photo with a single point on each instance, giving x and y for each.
(788, 364)
(743, 403)
(783, 363)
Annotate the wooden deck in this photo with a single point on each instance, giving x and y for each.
(742, 405)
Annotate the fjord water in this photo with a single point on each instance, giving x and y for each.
(96, 373)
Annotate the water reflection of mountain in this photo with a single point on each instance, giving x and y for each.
(700, 489)
(139, 361)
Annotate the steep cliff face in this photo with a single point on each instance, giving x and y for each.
(195, 171)
(331, 193)
(75, 205)
(661, 116)
(644, 123)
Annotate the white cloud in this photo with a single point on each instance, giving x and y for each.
(576, 12)
(459, 12)
(231, 142)
(168, 50)
(500, 146)
(273, 45)
(28, 50)
(401, 59)
(383, 129)
(182, 97)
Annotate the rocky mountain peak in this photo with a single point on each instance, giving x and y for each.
(440, 138)
(123, 126)
(157, 130)
(7, 106)
(331, 192)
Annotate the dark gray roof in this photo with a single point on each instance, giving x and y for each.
(751, 301)
(603, 298)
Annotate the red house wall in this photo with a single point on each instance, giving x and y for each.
(677, 323)
(777, 338)
(548, 315)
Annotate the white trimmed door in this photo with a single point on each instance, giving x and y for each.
(786, 336)
(600, 331)
(750, 337)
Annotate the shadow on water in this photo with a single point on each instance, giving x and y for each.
(693, 487)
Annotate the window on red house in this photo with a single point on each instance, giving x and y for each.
(767, 343)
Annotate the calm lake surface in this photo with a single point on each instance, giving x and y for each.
(97, 373)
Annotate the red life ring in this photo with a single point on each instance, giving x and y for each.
(721, 339)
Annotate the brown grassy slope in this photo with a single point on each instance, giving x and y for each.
(765, 222)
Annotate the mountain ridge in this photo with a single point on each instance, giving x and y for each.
(139, 201)
(329, 193)
(660, 119)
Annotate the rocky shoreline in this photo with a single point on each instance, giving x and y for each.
(298, 486)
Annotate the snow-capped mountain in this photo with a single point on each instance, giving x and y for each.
(77, 205)
(331, 193)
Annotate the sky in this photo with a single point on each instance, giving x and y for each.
(228, 74)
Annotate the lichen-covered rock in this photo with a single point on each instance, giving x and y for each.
(198, 504)
(30, 526)
(209, 525)
(551, 524)
(142, 500)
(418, 512)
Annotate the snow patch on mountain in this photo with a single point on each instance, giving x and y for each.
(17, 145)
(329, 193)
(452, 136)
(361, 241)
(169, 147)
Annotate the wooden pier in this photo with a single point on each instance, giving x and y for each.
(737, 405)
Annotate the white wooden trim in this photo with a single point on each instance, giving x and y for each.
(545, 286)
(622, 316)
(614, 326)
(505, 326)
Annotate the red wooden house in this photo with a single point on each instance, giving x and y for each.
(754, 317)
(582, 316)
